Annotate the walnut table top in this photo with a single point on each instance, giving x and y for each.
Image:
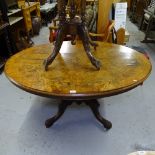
(72, 76)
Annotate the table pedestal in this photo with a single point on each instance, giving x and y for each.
(93, 104)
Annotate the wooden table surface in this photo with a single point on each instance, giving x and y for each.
(72, 76)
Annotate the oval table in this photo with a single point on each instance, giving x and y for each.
(71, 76)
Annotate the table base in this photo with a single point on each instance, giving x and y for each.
(93, 104)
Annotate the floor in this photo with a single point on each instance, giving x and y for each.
(22, 116)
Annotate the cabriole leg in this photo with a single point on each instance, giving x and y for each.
(94, 106)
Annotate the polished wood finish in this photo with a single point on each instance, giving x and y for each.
(104, 7)
(107, 35)
(72, 76)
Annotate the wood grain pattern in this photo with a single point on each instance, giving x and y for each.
(71, 75)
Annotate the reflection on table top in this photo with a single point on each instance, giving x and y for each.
(71, 75)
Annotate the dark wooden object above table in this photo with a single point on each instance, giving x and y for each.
(137, 10)
(71, 76)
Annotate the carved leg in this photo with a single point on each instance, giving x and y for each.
(57, 46)
(92, 43)
(61, 109)
(85, 40)
(94, 105)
